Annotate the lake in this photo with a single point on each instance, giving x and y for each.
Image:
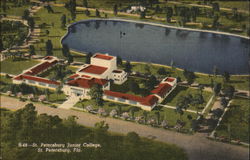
(192, 50)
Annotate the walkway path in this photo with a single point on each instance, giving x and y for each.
(197, 146)
(172, 107)
(72, 100)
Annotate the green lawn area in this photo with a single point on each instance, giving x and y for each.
(124, 88)
(235, 122)
(57, 98)
(180, 91)
(17, 66)
(51, 73)
(15, 10)
(107, 105)
(5, 79)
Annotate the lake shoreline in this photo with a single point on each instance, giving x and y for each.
(153, 24)
(160, 65)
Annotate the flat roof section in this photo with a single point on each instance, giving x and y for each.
(103, 56)
(93, 69)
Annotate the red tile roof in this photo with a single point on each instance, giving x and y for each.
(150, 100)
(38, 79)
(87, 83)
(162, 89)
(103, 56)
(48, 58)
(124, 96)
(74, 76)
(94, 69)
(39, 68)
(169, 79)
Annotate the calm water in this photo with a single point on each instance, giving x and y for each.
(195, 51)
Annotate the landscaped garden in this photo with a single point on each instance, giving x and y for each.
(12, 33)
(158, 117)
(16, 65)
(180, 92)
(235, 123)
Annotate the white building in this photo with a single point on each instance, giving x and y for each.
(30, 77)
(101, 70)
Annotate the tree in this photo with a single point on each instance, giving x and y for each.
(49, 47)
(228, 90)
(26, 14)
(97, 13)
(145, 114)
(88, 57)
(161, 71)
(215, 71)
(216, 7)
(226, 76)
(151, 82)
(85, 3)
(115, 9)
(132, 139)
(157, 114)
(128, 67)
(31, 23)
(217, 88)
(119, 60)
(215, 21)
(32, 50)
(190, 76)
(47, 93)
(133, 86)
(223, 102)
(96, 94)
(132, 112)
(49, 9)
(142, 14)
(63, 20)
(65, 50)
(102, 126)
(169, 11)
(87, 12)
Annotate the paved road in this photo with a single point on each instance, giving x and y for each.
(197, 146)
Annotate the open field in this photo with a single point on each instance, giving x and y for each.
(235, 123)
(15, 67)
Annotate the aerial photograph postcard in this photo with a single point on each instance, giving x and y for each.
(124, 79)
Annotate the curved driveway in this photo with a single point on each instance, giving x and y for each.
(196, 146)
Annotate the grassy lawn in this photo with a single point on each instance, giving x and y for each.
(107, 105)
(57, 98)
(180, 91)
(5, 79)
(51, 73)
(16, 67)
(15, 10)
(124, 88)
(235, 123)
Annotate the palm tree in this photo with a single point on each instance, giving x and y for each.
(157, 114)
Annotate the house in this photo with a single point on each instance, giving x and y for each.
(30, 76)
